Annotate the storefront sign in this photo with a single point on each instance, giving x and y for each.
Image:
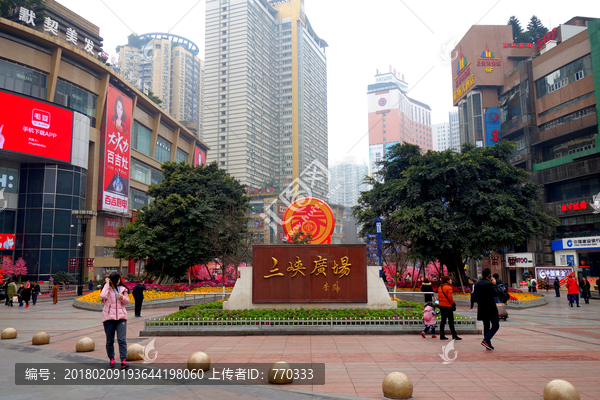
(35, 128)
(553, 272)
(488, 60)
(519, 260)
(111, 226)
(309, 274)
(575, 206)
(492, 127)
(199, 157)
(7, 241)
(583, 243)
(547, 37)
(518, 45)
(115, 165)
(464, 88)
(250, 191)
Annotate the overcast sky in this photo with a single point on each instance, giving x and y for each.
(409, 35)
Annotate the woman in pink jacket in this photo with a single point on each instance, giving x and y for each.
(114, 317)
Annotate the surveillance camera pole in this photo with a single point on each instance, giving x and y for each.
(83, 216)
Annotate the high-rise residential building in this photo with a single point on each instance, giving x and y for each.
(394, 117)
(168, 66)
(266, 93)
(454, 137)
(441, 136)
(347, 182)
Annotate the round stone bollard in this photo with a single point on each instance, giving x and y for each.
(198, 361)
(281, 373)
(9, 333)
(135, 352)
(40, 338)
(396, 385)
(560, 390)
(85, 344)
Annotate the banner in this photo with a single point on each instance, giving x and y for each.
(36, 128)
(492, 127)
(111, 226)
(115, 165)
(7, 241)
(199, 157)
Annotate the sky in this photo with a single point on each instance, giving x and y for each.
(409, 35)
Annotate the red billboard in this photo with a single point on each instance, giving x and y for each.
(36, 128)
(199, 157)
(111, 226)
(7, 241)
(114, 167)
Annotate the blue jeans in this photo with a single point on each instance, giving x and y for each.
(488, 333)
(120, 327)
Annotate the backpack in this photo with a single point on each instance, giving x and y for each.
(503, 290)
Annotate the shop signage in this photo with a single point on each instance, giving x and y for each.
(519, 260)
(35, 128)
(51, 27)
(111, 226)
(592, 242)
(464, 88)
(309, 273)
(7, 241)
(262, 190)
(578, 206)
(115, 164)
(492, 126)
(553, 272)
(551, 35)
(518, 45)
(488, 60)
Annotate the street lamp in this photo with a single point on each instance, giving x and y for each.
(83, 216)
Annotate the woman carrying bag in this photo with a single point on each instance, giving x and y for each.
(447, 307)
(114, 317)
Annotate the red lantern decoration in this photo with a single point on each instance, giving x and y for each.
(41, 282)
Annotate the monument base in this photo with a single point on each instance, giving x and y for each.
(378, 297)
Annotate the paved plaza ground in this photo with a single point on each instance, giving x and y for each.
(533, 347)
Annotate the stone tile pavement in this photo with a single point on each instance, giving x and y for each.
(533, 347)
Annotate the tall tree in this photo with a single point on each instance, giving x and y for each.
(535, 29)
(450, 206)
(10, 8)
(516, 28)
(153, 97)
(195, 208)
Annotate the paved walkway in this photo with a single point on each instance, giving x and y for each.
(533, 347)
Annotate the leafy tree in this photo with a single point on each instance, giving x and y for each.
(195, 208)
(10, 8)
(516, 28)
(450, 206)
(300, 238)
(535, 29)
(134, 40)
(153, 97)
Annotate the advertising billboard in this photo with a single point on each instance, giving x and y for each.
(115, 166)
(199, 157)
(35, 128)
(492, 127)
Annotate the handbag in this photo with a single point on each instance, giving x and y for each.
(453, 304)
(15, 298)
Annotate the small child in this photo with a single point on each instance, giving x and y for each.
(429, 320)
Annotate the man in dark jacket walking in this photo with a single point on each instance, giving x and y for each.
(138, 296)
(557, 287)
(486, 307)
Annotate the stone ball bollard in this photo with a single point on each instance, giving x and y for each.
(198, 361)
(281, 373)
(135, 352)
(9, 333)
(40, 338)
(560, 390)
(85, 344)
(397, 385)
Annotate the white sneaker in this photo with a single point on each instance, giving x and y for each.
(470, 309)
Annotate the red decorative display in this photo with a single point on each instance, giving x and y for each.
(7, 241)
(199, 157)
(518, 45)
(36, 128)
(261, 190)
(111, 226)
(574, 206)
(115, 165)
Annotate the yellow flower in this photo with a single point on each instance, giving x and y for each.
(154, 295)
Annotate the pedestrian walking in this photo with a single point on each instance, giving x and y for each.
(585, 290)
(533, 285)
(20, 294)
(573, 291)
(447, 307)
(429, 320)
(138, 296)
(529, 286)
(55, 293)
(426, 287)
(11, 293)
(91, 285)
(486, 307)
(35, 291)
(114, 317)
(557, 287)
(26, 294)
(547, 283)
(473, 296)
(5, 291)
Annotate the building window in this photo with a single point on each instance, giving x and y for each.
(23, 80)
(76, 99)
(141, 138)
(140, 172)
(162, 152)
(571, 72)
(181, 156)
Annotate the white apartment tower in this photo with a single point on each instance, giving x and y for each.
(347, 182)
(441, 136)
(266, 93)
(454, 132)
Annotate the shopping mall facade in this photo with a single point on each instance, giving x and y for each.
(542, 96)
(75, 138)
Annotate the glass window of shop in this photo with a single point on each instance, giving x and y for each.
(23, 80)
(76, 99)
(162, 152)
(138, 199)
(569, 147)
(141, 138)
(578, 226)
(563, 76)
(577, 188)
(181, 156)
(140, 172)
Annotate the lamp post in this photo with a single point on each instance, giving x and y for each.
(83, 216)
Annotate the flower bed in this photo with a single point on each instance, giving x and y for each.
(155, 295)
(514, 296)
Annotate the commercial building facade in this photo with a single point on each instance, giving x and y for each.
(395, 118)
(544, 99)
(266, 92)
(81, 139)
(168, 65)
